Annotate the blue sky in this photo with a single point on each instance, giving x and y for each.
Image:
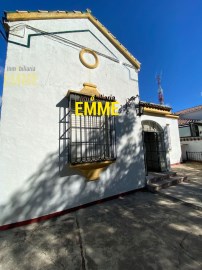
(165, 36)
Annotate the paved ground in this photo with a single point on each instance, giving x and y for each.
(192, 169)
(138, 231)
(188, 192)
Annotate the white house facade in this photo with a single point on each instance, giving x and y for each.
(190, 129)
(50, 158)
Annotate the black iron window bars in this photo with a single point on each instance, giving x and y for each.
(86, 138)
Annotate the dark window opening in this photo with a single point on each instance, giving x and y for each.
(191, 130)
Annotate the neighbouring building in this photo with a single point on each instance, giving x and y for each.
(190, 129)
(55, 153)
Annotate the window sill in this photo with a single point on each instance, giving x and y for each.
(92, 170)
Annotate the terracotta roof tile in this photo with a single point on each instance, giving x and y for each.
(193, 109)
(155, 106)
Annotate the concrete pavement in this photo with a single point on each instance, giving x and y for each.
(138, 231)
(190, 192)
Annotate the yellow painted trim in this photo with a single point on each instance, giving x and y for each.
(90, 89)
(86, 91)
(92, 171)
(156, 111)
(115, 42)
(87, 84)
(160, 113)
(24, 16)
(172, 116)
(83, 61)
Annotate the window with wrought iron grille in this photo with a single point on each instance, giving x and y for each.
(86, 138)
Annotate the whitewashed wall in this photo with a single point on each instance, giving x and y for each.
(172, 141)
(190, 146)
(30, 184)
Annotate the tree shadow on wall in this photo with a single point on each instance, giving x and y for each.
(46, 191)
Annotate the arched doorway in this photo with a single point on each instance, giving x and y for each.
(154, 146)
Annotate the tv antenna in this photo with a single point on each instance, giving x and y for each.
(160, 90)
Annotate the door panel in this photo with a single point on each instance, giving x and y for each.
(155, 151)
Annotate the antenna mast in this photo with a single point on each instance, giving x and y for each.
(160, 90)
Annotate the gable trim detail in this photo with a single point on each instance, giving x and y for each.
(25, 16)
